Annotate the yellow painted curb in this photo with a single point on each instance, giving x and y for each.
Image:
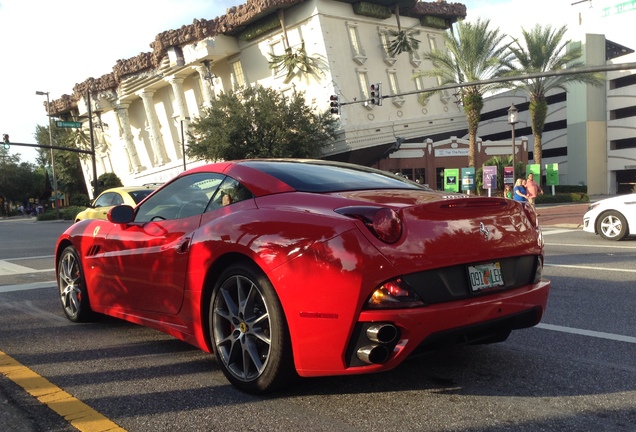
(76, 412)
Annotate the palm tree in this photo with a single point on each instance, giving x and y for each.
(403, 39)
(294, 62)
(545, 51)
(476, 53)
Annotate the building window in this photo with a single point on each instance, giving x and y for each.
(622, 113)
(398, 100)
(432, 43)
(359, 56)
(363, 81)
(622, 144)
(237, 76)
(277, 48)
(625, 81)
(419, 86)
(415, 58)
(384, 43)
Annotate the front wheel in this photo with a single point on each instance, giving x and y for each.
(612, 226)
(249, 332)
(70, 281)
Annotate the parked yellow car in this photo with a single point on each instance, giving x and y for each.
(111, 197)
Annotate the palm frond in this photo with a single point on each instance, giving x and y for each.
(403, 41)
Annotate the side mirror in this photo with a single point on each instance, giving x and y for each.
(121, 214)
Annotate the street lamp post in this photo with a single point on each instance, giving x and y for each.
(183, 141)
(513, 119)
(48, 111)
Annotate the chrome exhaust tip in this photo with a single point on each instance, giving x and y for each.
(373, 354)
(382, 333)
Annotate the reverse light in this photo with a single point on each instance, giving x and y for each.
(394, 294)
(538, 273)
(383, 222)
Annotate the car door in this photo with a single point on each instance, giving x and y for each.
(146, 262)
(102, 204)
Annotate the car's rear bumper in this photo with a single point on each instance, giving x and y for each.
(480, 319)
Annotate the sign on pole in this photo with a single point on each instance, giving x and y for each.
(552, 174)
(509, 175)
(451, 180)
(534, 169)
(468, 179)
(490, 178)
(68, 124)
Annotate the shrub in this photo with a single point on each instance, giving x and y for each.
(563, 198)
(69, 213)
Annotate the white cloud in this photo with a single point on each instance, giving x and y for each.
(52, 45)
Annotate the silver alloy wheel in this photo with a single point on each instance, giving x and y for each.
(70, 283)
(241, 326)
(612, 226)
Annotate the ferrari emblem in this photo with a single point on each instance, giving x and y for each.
(96, 230)
(483, 230)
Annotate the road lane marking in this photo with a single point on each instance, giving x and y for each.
(602, 335)
(595, 246)
(556, 231)
(76, 412)
(29, 286)
(591, 268)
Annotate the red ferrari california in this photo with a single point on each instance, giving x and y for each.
(286, 268)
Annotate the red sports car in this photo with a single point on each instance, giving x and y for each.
(303, 267)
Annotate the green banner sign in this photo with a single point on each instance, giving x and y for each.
(451, 180)
(534, 169)
(552, 174)
(68, 124)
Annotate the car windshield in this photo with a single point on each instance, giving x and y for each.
(317, 176)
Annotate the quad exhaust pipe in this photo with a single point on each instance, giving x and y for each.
(373, 354)
(382, 335)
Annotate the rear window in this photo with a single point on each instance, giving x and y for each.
(323, 176)
(138, 195)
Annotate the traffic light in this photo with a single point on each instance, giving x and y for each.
(6, 142)
(334, 104)
(376, 94)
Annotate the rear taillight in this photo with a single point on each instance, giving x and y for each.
(383, 222)
(395, 293)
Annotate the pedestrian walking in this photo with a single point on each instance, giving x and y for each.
(533, 189)
(519, 192)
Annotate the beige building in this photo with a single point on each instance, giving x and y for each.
(142, 106)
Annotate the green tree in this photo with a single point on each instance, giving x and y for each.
(68, 169)
(109, 180)
(545, 50)
(259, 123)
(476, 53)
(21, 182)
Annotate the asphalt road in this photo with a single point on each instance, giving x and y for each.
(575, 371)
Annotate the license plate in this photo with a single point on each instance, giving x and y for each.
(484, 276)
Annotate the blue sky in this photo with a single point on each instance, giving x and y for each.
(50, 46)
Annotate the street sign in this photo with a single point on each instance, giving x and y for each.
(68, 124)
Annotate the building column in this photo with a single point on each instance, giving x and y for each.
(134, 164)
(206, 86)
(154, 128)
(180, 108)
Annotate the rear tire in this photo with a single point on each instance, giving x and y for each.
(248, 331)
(72, 288)
(612, 225)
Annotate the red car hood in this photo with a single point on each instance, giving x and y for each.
(441, 230)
